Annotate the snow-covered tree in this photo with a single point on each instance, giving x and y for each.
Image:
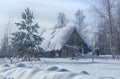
(4, 46)
(25, 40)
(62, 21)
(79, 20)
(6, 50)
(108, 34)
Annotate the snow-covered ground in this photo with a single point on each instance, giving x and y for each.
(63, 68)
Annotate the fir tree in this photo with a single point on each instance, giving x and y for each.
(26, 41)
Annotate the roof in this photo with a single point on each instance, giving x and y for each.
(56, 38)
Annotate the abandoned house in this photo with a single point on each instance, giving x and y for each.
(64, 42)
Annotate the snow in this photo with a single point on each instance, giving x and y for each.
(56, 38)
(84, 72)
(63, 70)
(20, 65)
(104, 67)
(52, 68)
(5, 65)
(29, 73)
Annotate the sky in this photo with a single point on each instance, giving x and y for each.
(45, 12)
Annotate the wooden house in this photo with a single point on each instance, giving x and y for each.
(64, 42)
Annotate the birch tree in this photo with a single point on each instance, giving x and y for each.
(106, 12)
(79, 20)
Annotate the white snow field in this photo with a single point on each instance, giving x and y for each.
(63, 68)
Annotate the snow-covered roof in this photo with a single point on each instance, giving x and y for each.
(56, 38)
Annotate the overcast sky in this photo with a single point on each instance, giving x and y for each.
(45, 11)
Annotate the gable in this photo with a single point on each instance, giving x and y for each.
(74, 38)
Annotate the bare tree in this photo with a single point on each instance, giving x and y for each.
(7, 50)
(106, 12)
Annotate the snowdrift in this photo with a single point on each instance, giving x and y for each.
(21, 71)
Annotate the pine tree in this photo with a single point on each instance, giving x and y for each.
(62, 21)
(26, 41)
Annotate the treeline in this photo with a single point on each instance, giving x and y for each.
(108, 35)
